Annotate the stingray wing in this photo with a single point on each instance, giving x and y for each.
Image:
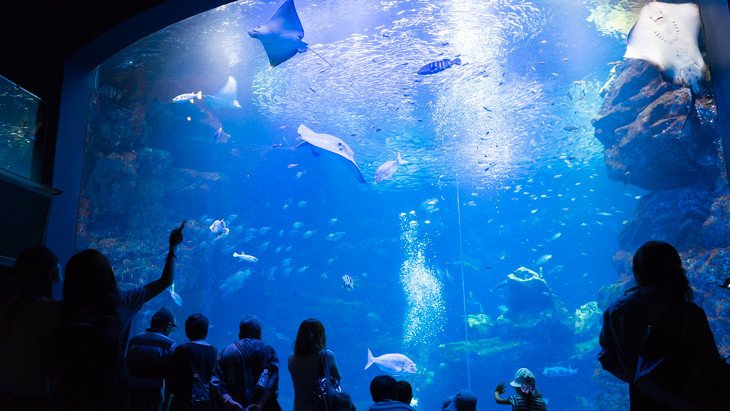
(282, 35)
(286, 20)
(228, 94)
(280, 50)
(333, 145)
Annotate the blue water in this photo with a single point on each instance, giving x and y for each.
(503, 170)
(18, 123)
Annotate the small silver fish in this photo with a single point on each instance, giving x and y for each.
(542, 260)
(234, 282)
(393, 363)
(245, 257)
(335, 236)
(188, 97)
(175, 296)
(219, 228)
(387, 169)
(559, 371)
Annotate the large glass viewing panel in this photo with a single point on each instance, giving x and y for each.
(19, 126)
(496, 242)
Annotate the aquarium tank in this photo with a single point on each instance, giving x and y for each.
(21, 119)
(462, 182)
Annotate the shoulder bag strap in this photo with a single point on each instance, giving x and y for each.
(196, 375)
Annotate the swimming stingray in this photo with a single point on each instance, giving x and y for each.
(666, 36)
(226, 97)
(332, 144)
(282, 35)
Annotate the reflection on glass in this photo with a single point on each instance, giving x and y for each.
(19, 126)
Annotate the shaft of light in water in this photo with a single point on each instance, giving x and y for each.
(463, 287)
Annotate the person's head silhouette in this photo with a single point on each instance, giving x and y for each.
(657, 264)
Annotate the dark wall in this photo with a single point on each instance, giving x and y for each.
(29, 211)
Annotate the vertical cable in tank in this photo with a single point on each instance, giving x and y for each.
(463, 287)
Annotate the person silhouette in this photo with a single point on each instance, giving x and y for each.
(404, 392)
(661, 306)
(246, 375)
(29, 319)
(383, 391)
(95, 323)
(526, 397)
(305, 363)
(148, 359)
(192, 367)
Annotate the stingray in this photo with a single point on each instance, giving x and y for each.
(666, 35)
(282, 35)
(226, 97)
(332, 144)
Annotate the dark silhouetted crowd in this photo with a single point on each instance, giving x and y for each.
(76, 354)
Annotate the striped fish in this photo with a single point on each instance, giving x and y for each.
(437, 66)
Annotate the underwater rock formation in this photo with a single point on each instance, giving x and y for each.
(652, 134)
(111, 184)
(675, 216)
(154, 162)
(588, 318)
(527, 285)
(716, 229)
(511, 338)
(660, 137)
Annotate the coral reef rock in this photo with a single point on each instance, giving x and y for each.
(112, 184)
(675, 216)
(653, 137)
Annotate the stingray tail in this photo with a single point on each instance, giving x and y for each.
(318, 55)
(370, 359)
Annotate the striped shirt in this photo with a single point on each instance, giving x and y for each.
(527, 403)
(305, 371)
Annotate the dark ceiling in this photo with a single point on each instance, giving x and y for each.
(36, 36)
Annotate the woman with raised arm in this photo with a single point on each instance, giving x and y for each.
(96, 320)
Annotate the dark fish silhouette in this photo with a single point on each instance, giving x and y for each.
(437, 66)
(282, 35)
